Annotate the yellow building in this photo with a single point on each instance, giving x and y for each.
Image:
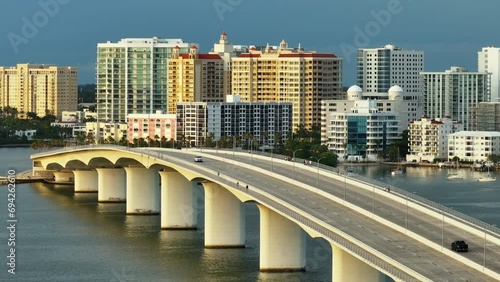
(39, 89)
(286, 75)
(194, 77)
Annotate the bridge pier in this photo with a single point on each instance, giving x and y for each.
(346, 267)
(178, 202)
(282, 243)
(143, 191)
(63, 177)
(86, 181)
(224, 218)
(111, 185)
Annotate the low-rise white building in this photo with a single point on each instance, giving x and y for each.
(103, 130)
(428, 138)
(473, 146)
(360, 133)
(30, 133)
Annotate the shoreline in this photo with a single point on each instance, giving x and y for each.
(15, 145)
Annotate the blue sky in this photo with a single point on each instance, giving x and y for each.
(451, 32)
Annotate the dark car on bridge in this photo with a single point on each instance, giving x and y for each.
(459, 246)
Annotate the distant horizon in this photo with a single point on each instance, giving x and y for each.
(59, 32)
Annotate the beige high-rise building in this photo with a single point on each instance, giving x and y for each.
(39, 89)
(194, 77)
(226, 51)
(286, 75)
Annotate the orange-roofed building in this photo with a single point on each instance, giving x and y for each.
(288, 75)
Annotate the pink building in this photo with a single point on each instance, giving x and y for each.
(144, 125)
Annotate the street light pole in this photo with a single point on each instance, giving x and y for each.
(345, 184)
(234, 145)
(442, 232)
(251, 150)
(484, 263)
(272, 165)
(317, 160)
(406, 213)
(293, 160)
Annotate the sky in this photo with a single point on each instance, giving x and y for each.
(66, 32)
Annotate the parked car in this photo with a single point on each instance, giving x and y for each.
(198, 159)
(459, 246)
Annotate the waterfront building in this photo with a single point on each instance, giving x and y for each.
(381, 68)
(303, 78)
(473, 146)
(191, 123)
(267, 123)
(156, 126)
(488, 61)
(39, 89)
(132, 76)
(454, 93)
(360, 133)
(428, 138)
(486, 116)
(194, 77)
(408, 106)
(100, 131)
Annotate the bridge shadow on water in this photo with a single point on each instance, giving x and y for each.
(106, 244)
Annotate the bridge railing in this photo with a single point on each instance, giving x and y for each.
(381, 185)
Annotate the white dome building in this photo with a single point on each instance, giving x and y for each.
(396, 93)
(354, 93)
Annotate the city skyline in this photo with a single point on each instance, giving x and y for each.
(65, 32)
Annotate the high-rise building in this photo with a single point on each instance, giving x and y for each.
(226, 51)
(454, 93)
(191, 123)
(39, 89)
(303, 78)
(381, 68)
(489, 61)
(428, 138)
(194, 77)
(486, 116)
(360, 133)
(268, 123)
(132, 76)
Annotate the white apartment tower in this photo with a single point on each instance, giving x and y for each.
(454, 93)
(381, 68)
(488, 60)
(132, 76)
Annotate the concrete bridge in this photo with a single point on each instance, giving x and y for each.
(373, 233)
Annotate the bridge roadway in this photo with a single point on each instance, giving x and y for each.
(415, 255)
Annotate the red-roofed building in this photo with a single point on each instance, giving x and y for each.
(286, 75)
(194, 77)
